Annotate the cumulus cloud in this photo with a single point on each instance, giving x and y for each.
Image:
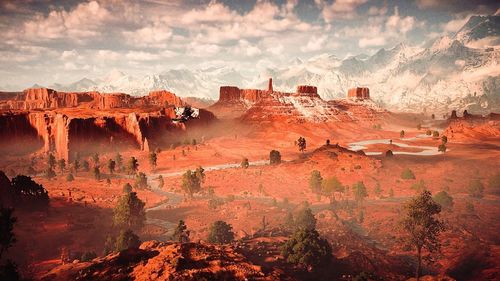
(371, 42)
(396, 23)
(339, 9)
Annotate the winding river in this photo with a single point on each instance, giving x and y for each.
(425, 150)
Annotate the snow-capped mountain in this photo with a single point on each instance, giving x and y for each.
(452, 72)
(455, 72)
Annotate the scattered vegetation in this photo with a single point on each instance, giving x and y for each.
(192, 180)
(359, 191)
(153, 158)
(402, 134)
(220, 232)
(444, 199)
(141, 181)
(70, 177)
(111, 166)
(315, 181)
(132, 165)
(23, 193)
(307, 249)
(129, 212)
(244, 163)
(407, 174)
(442, 148)
(305, 219)
(181, 234)
(301, 142)
(274, 157)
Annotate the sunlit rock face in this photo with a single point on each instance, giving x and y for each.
(66, 124)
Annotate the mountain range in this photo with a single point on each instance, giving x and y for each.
(450, 72)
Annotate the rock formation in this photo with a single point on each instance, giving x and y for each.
(359, 93)
(66, 123)
(43, 98)
(303, 105)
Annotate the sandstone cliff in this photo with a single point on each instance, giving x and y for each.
(43, 98)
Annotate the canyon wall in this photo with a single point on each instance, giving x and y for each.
(69, 123)
(43, 98)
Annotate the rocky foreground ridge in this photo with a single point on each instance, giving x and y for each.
(164, 261)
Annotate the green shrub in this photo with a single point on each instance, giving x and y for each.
(407, 174)
(444, 199)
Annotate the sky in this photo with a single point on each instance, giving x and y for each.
(45, 42)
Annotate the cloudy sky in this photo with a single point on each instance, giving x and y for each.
(49, 42)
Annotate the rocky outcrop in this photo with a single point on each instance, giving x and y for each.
(165, 261)
(473, 128)
(308, 90)
(359, 93)
(302, 106)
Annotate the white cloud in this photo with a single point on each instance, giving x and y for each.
(395, 23)
(314, 44)
(371, 42)
(340, 9)
(455, 24)
(83, 21)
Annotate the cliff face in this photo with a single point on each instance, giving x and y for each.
(43, 98)
(67, 123)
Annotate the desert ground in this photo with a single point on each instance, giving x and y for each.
(81, 210)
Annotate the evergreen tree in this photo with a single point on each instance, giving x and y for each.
(301, 142)
(111, 166)
(307, 249)
(315, 181)
(220, 232)
(95, 159)
(132, 165)
(180, 231)
(76, 166)
(153, 157)
(97, 173)
(129, 212)
(127, 240)
(305, 219)
(422, 226)
(274, 157)
(359, 191)
(161, 183)
(62, 165)
(70, 177)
